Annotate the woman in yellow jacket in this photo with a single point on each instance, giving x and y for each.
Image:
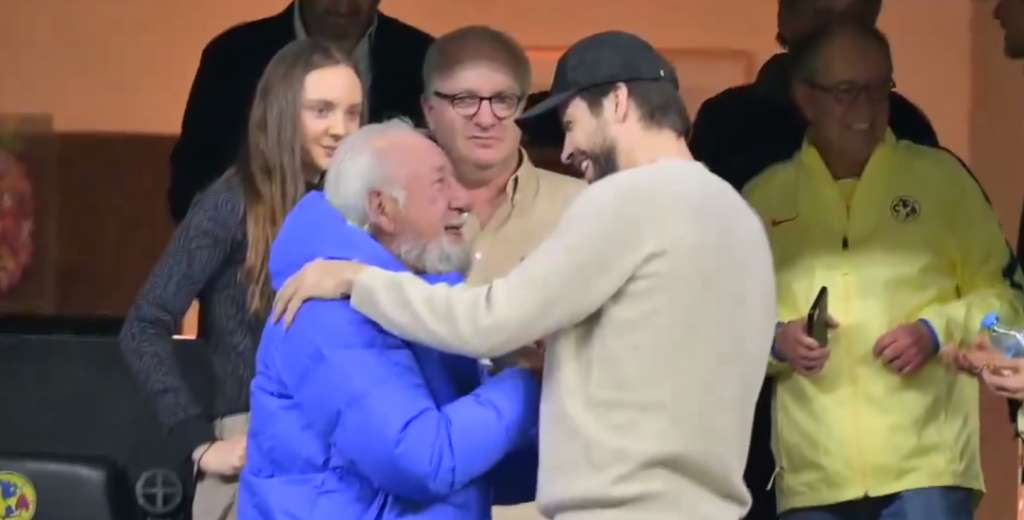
(871, 426)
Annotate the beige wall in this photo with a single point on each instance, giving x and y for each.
(996, 135)
(126, 66)
(997, 118)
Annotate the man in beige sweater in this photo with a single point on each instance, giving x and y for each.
(655, 292)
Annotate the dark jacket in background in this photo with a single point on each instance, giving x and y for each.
(217, 112)
(743, 130)
(737, 134)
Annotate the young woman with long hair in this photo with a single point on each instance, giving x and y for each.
(307, 101)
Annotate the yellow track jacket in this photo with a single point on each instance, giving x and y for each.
(919, 241)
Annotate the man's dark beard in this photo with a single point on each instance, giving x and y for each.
(604, 160)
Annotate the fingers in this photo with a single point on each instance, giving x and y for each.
(283, 298)
(908, 362)
(291, 309)
(832, 323)
(890, 351)
(884, 343)
(812, 361)
(1006, 385)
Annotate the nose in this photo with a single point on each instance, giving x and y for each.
(342, 124)
(484, 117)
(458, 198)
(567, 151)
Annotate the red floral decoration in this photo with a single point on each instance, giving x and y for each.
(16, 213)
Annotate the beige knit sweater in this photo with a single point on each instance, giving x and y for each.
(657, 297)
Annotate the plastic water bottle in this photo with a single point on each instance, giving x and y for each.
(1009, 341)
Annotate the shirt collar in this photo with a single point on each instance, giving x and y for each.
(812, 159)
(523, 183)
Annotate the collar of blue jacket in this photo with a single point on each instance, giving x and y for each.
(316, 229)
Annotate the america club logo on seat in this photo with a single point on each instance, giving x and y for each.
(905, 209)
(17, 496)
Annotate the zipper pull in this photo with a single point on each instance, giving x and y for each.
(846, 243)
(771, 481)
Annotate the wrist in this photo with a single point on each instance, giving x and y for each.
(775, 352)
(933, 337)
(200, 451)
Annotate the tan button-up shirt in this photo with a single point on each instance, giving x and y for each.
(534, 202)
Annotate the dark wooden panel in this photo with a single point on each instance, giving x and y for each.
(114, 221)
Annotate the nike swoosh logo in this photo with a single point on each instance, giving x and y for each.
(778, 222)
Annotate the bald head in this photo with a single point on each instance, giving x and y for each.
(800, 18)
(838, 46)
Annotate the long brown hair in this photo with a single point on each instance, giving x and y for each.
(271, 166)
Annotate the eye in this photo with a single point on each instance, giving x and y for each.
(507, 101)
(465, 101)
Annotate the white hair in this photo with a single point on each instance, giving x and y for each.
(359, 167)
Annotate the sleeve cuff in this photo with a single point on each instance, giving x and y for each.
(186, 435)
(936, 344)
(776, 354)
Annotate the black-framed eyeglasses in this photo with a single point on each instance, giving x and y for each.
(848, 92)
(503, 105)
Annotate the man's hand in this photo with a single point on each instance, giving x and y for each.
(979, 356)
(906, 348)
(801, 351)
(319, 279)
(223, 458)
(532, 358)
(1006, 378)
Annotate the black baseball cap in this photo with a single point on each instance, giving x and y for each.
(601, 59)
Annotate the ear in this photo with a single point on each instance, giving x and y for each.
(803, 96)
(382, 211)
(620, 102)
(427, 105)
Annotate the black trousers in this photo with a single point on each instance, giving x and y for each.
(760, 462)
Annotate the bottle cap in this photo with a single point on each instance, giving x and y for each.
(990, 321)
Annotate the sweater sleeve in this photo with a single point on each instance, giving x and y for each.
(196, 252)
(599, 244)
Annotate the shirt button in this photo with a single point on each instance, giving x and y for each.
(478, 255)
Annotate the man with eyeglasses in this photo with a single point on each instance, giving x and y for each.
(476, 80)
(745, 129)
(867, 423)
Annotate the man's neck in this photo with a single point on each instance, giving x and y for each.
(842, 168)
(344, 42)
(486, 186)
(840, 165)
(650, 146)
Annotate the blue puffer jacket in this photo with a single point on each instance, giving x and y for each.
(349, 422)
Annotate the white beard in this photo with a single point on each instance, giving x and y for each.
(442, 255)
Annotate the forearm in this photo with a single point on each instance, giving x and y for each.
(570, 276)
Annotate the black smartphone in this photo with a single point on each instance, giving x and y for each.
(817, 318)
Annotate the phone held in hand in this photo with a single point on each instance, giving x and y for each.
(817, 318)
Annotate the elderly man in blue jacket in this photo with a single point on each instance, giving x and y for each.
(350, 422)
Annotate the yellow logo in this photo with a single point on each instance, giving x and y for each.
(17, 497)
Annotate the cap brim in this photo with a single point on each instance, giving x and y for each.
(553, 101)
